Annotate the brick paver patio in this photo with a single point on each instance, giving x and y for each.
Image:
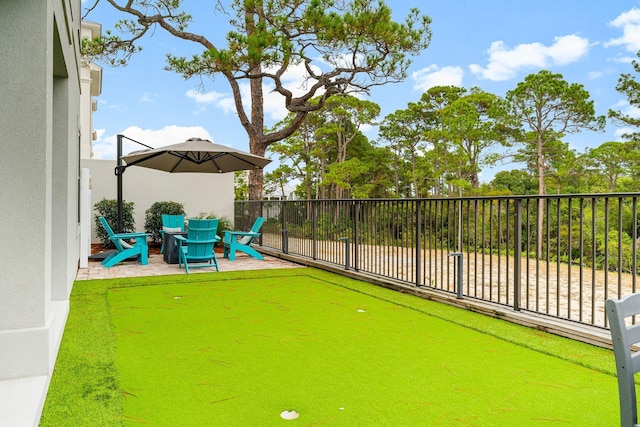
(157, 267)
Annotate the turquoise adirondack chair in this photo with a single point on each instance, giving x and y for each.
(171, 223)
(241, 241)
(197, 248)
(125, 250)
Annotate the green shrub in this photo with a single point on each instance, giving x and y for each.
(153, 217)
(224, 223)
(108, 208)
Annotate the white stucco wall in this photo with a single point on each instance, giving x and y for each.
(198, 192)
(39, 134)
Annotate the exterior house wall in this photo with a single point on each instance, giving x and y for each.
(42, 130)
(39, 133)
(91, 83)
(198, 192)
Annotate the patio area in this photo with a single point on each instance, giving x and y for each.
(157, 267)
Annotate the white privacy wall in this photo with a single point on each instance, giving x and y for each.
(198, 192)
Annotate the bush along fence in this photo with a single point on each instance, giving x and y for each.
(556, 255)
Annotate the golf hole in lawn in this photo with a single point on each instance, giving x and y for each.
(244, 352)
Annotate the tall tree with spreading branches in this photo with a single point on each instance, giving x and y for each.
(609, 162)
(431, 109)
(344, 47)
(549, 108)
(476, 124)
(404, 130)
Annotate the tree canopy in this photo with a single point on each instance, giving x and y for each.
(440, 142)
(343, 46)
(549, 108)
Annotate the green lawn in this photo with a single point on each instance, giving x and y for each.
(237, 349)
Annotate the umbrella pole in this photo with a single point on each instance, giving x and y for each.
(119, 171)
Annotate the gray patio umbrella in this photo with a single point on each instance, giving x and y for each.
(195, 155)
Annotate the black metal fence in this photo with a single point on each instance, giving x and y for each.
(560, 256)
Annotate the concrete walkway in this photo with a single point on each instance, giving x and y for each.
(157, 267)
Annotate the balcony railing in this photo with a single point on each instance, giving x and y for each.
(560, 256)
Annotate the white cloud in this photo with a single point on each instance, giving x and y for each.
(228, 105)
(505, 62)
(621, 132)
(105, 148)
(627, 109)
(368, 128)
(594, 75)
(149, 97)
(274, 107)
(433, 75)
(205, 98)
(217, 99)
(629, 22)
(567, 49)
(624, 59)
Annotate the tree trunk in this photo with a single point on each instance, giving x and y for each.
(475, 180)
(323, 188)
(256, 180)
(308, 183)
(414, 179)
(256, 176)
(396, 174)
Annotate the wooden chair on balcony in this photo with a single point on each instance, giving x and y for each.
(624, 335)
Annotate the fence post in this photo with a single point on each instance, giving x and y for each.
(458, 256)
(261, 213)
(314, 227)
(285, 232)
(517, 253)
(418, 243)
(356, 237)
(460, 227)
(346, 253)
(285, 241)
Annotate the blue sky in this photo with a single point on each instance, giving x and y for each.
(492, 44)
